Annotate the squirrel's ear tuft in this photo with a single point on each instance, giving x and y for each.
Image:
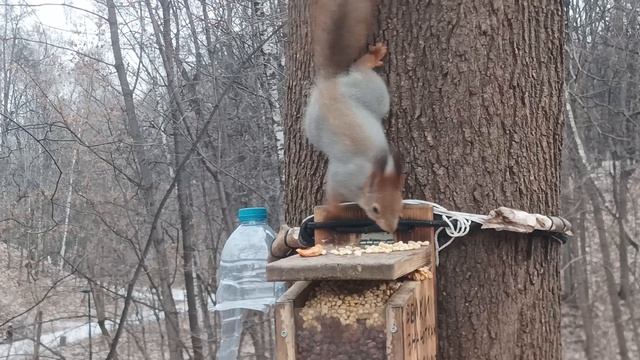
(397, 177)
(378, 172)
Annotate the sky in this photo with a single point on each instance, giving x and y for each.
(61, 19)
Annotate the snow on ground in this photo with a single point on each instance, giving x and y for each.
(64, 306)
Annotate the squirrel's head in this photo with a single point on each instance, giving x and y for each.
(382, 201)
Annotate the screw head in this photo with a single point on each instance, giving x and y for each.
(283, 333)
(394, 329)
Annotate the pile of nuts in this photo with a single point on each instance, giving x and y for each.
(420, 274)
(348, 302)
(380, 248)
(345, 318)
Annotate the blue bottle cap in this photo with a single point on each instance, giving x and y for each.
(252, 214)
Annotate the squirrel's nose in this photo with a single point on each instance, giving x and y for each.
(388, 226)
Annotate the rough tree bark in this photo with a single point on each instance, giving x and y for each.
(476, 111)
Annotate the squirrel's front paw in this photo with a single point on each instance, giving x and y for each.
(378, 51)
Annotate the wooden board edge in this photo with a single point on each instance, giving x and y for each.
(401, 269)
(285, 331)
(395, 348)
(282, 270)
(294, 291)
(285, 327)
(424, 336)
(395, 313)
(402, 295)
(363, 276)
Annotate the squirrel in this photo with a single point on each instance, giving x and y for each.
(343, 116)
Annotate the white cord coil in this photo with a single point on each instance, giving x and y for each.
(458, 223)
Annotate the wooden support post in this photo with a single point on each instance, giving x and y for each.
(397, 316)
(285, 323)
(411, 322)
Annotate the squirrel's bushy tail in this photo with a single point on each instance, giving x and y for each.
(339, 30)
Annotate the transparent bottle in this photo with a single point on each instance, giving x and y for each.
(242, 278)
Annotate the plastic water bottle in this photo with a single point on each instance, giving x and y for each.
(242, 275)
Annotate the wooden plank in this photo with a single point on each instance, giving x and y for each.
(409, 325)
(344, 212)
(425, 327)
(419, 325)
(422, 334)
(395, 339)
(285, 320)
(428, 316)
(396, 309)
(294, 292)
(379, 266)
(416, 212)
(430, 294)
(410, 312)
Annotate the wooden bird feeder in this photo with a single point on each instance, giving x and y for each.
(371, 307)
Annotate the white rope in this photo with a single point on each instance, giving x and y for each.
(458, 223)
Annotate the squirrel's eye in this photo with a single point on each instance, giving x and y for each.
(375, 209)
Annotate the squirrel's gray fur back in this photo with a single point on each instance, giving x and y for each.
(366, 88)
(364, 95)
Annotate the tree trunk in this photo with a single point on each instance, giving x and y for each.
(36, 336)
(569, 280)
(206, 319)
(185, 205)
(7, 80)
(149, 189)
(183, 183)
(476, 111)
(156, 315)
(101, 317)
(607, 261)
(621, 178)
(596, 203)
(582, 293)
(268, 57)
(67, 213)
